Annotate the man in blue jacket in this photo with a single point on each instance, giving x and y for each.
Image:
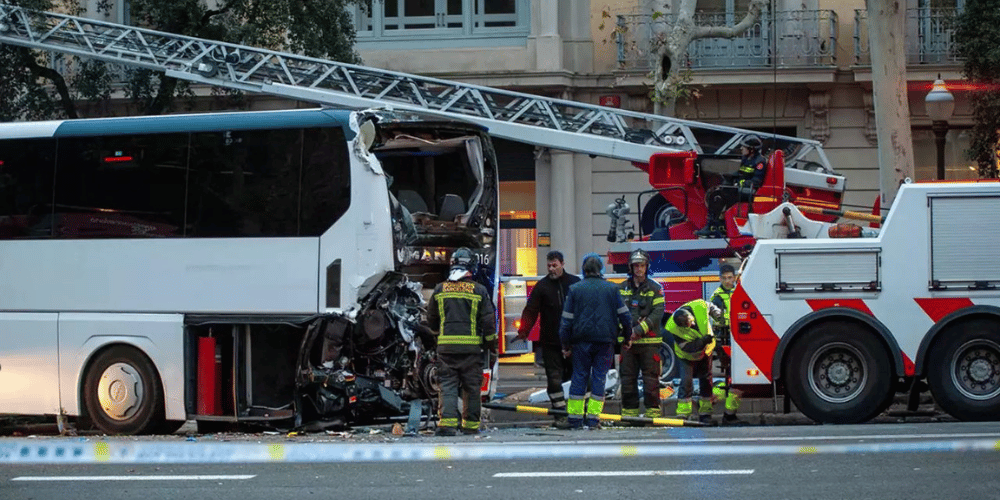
(592, 317)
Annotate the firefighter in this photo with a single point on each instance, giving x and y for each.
(723, 391)
(753, 170)
(460, 312)
(693, 344)
(641, 343)
(591, 319)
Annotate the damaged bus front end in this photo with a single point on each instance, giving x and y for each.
(371, 357)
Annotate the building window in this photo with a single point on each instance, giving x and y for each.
(439, 23)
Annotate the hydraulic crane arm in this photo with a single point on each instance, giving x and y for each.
(543, 121)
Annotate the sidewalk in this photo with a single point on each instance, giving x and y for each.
(754, 411)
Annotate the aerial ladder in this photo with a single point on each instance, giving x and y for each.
(541, 121)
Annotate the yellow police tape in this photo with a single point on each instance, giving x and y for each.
(673, 422)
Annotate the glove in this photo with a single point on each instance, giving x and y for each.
(522, 335)
(637, 332)
(714, 310)
(696, 345)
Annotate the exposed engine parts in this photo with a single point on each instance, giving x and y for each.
(371, 366)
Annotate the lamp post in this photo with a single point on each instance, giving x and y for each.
(940, 105)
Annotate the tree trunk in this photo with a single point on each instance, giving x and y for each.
(886, 28)
(674, 43)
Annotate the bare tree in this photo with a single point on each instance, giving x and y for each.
(886, 28)
(671, 44)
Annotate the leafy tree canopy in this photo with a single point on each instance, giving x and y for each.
(977, 36)
(31, 87)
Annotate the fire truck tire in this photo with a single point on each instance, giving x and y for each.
(839, 374)
(658, 214)
(122, 392)
(668, 363)
(964, 370)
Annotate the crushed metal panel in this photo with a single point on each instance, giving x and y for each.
(828, 270)
(960, 256)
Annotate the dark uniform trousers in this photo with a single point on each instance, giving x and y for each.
(645, 357)
(460, 373)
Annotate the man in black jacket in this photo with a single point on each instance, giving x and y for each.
(546, 300)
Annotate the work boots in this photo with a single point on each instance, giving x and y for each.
(712, 229)
(561, 423)
(732, 420)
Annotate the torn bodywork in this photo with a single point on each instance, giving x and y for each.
(369, 367)
(375, 360)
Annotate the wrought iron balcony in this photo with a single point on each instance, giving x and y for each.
(788, 39)
(929, 37)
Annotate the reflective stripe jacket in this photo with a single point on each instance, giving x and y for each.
(461, 313)
(645, 304)
(721, 298)
(691, 343)
(752, 170)
(593, 312)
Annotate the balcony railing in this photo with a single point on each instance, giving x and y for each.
(788, 39)
(929, 37)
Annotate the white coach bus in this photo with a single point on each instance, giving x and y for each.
(266, 267)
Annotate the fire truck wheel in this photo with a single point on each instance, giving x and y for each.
(668, 366)
(658, 214)
(964, 370)
(122, 392)
(838, 373)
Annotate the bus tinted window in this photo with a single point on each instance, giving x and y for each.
(245, 183)
(121, 186)
(326, 179)
(26, 168)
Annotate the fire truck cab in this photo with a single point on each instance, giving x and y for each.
(844, 323)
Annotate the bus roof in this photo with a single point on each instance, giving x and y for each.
(195, 122)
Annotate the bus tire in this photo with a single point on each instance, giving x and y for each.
(122, 393)
(839, 373)
(964, 370)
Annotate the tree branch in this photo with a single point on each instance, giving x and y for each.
(65, 101)
(753, 13)
(209, 14)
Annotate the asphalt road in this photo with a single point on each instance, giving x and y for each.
(911, 461)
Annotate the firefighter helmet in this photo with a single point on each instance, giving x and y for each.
(637, 257)
(752, 141)
(463, 259)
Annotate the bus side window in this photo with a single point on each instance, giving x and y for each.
(326, 179)
(245, 183)
(121, 186)
(26, 177)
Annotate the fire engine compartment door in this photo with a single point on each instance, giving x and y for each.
(964, 250)
(828, 270)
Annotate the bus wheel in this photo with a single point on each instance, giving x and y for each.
(838, 373)
(122, 392)
(964, 370)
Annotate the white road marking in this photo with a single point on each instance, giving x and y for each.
(132, 478)
(616, 473)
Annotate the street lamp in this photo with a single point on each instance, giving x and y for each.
(940, 105)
